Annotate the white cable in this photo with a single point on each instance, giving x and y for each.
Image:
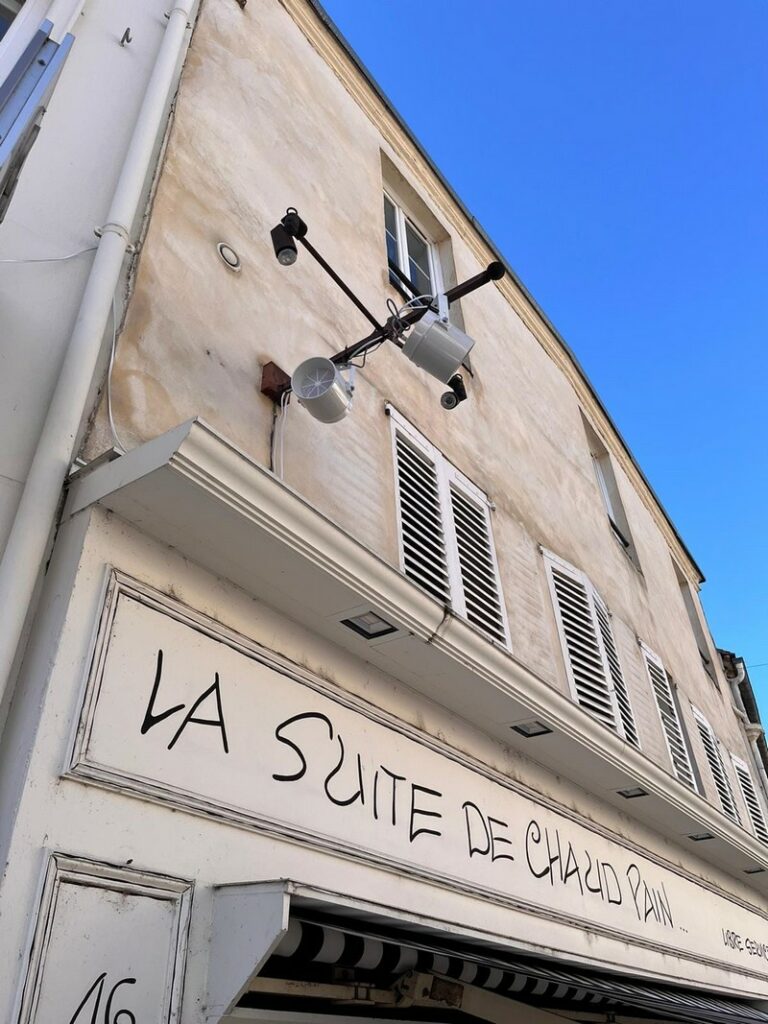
(54, 259)
(417, 298)
(284, 400)
(115, 436)
(275, 443)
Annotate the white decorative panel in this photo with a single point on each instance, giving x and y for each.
(182, 710)
(108, 947)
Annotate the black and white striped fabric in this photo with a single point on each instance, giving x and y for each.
(536, 981)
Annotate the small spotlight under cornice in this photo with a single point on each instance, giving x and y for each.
(632, 793)
(369, 625)
(531, 729)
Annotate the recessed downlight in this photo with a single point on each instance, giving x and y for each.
(531, 729)
(369, 625)
(229, 257)
(632, 793)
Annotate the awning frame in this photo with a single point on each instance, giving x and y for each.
(250, 921)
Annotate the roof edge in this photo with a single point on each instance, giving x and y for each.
(331, 26)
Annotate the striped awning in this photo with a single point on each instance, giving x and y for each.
(536, 981)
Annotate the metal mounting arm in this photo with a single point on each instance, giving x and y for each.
(493, 272)
(293, 226)
(297, 229)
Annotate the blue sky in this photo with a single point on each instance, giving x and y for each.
(617, 153)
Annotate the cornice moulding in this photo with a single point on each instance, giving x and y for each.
(237, 500)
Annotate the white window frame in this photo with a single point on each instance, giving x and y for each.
(703, 722)
(759, 827)
(447, 476)
(23, 28)
(402, 214)
(649, 655)
(593, 596)
(603, 485)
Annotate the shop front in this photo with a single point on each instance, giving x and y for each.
(246, 821)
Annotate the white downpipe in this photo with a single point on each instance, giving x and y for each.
(35, 518)
(751, 730)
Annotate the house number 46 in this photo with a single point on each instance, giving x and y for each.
(94, 997)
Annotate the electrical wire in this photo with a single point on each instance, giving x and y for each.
(110, 415)
(396, 313)
(53, 259)
(417, 298)
(61, 259)
(285, 399)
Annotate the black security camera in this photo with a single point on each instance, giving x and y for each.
(283, 235)
(458, 393)
(284, 246)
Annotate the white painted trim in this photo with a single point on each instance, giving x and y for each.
(738, 763)
(550, 560)
(61, 868)
(447, 475)
(703, 722)
(21, 31)
(650, 655)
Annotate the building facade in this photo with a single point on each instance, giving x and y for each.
(414, 715)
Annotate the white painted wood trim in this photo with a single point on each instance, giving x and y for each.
(61, 868)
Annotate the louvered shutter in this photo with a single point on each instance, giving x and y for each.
(580, 636)
(717, 767)
(670, 720)
(614, 667)
(421, 519)
(750, 799)
(446, 541)
(479, 581)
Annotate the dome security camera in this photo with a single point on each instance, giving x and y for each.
(458, 393)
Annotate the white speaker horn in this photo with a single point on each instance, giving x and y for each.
(321, 389)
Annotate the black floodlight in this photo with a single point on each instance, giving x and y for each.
(284, 246)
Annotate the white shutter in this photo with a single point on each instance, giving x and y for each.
(589, 649)
(750, 798)
(614, 667)
(670, 720)
(421, 520)
(446, 543)
(478, 574)
(719, 774)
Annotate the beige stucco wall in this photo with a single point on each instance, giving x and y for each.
(263, 122)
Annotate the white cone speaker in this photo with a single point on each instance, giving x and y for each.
(437, 346)
(321, 389)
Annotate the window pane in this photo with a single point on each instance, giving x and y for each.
(390, 234)
(390, 221)
(392, 252)
(418, 260)
(419, 279)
